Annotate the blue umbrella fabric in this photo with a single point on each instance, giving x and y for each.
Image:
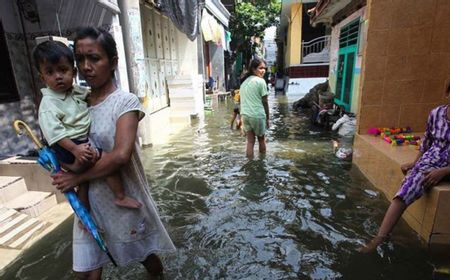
(47, 159)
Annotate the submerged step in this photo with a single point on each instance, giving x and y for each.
(32, 203)
(11, 187)
(16, 229)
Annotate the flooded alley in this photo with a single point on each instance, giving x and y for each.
(297, 213)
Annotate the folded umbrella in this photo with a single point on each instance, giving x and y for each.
(47, 159)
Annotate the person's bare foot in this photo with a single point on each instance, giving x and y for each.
(154, 267)
(128, 202)
(372, 244)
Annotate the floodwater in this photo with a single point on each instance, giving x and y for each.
(296, 213)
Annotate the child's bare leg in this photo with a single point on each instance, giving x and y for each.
(250, 144)
(390, 219)
(262, 144)
(115, 184)
(83, 195)
(77, 166)
(232, 119)
(238, 122)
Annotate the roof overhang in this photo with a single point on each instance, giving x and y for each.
(286, 12)
(324, 11)
(218, 10)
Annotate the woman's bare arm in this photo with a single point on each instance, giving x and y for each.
(126, 129)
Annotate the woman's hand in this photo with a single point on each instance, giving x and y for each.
(406, 167)
(65, 181)
(433, 177)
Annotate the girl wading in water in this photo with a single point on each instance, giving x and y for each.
(132, 235)
(254, 106)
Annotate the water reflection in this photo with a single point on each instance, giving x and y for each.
(296, 213)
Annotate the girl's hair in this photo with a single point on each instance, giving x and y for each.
(103, 37)
(252, 68)
(52, 52)
(448, 88)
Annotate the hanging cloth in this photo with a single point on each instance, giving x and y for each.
(206, 27)
(185, 15)
(227, 40)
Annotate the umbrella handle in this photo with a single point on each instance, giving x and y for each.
(20, 126)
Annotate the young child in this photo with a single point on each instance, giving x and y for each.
(236, 110)
(64, 117)
(430, 167)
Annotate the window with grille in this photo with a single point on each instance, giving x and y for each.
(349, 34)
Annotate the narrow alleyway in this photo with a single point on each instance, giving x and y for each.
(297, 213)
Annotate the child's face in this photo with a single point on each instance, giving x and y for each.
(58, 76)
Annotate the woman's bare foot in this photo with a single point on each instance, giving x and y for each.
(128, 202)
(373, 244)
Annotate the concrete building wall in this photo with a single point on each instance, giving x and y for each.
(294, 38)
(24, 109)
(406, 64)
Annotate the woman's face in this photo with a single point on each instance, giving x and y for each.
(260, 70)
(93, 62)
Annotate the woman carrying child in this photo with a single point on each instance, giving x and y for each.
(64, 117)
(430, 167)
(131, 234)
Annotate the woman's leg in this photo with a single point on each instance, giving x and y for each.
(262, 144)
(89, 275)
(390, 219)
(154, 267)
(250, 143)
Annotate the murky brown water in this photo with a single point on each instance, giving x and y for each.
(297, 213)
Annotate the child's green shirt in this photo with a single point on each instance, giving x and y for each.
(64, 115)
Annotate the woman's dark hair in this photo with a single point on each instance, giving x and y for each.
(51, 51)
(103, 37)
(252, 68)
(448, 88)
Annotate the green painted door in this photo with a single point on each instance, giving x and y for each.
(348, 46)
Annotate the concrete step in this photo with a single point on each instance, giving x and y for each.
(17, 229)
(32, 203)
(11, 187)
